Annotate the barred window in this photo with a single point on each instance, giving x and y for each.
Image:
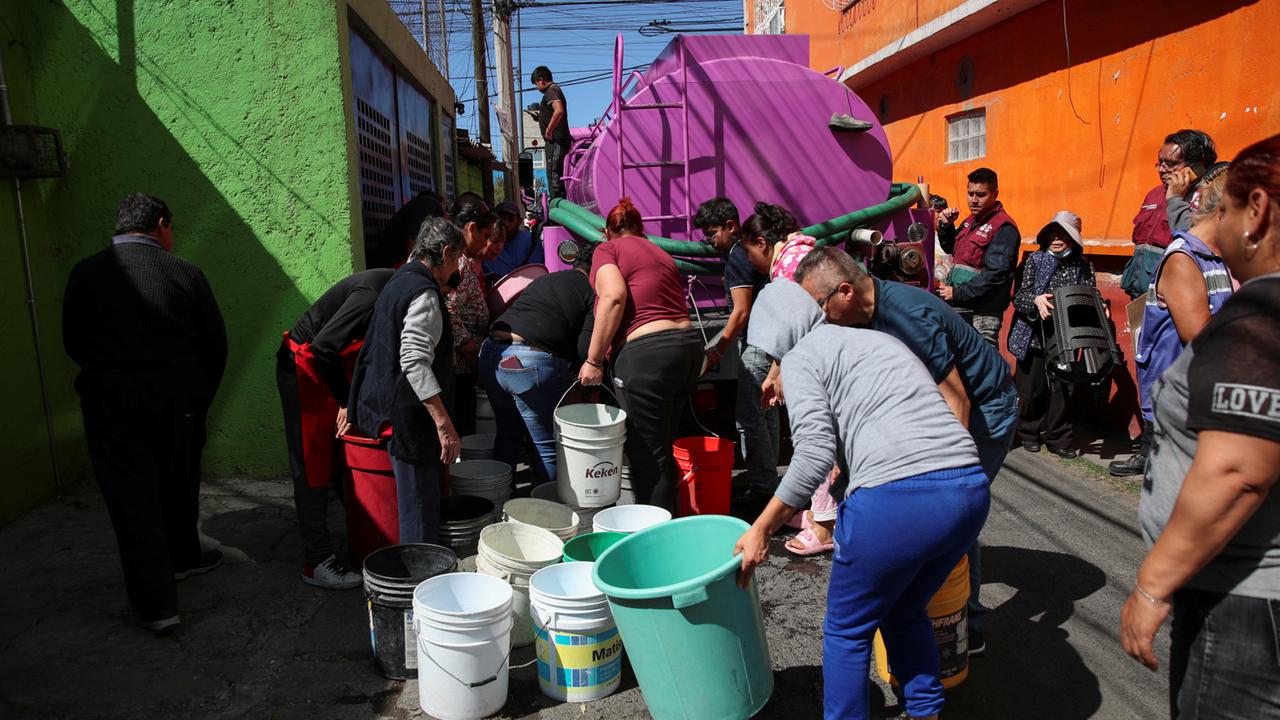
(967, 136)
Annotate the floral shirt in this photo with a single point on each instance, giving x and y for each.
(468, 311)
(788, 254)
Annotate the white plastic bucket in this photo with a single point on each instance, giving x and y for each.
(463, 626)
(514, 552)
(478, 447)
(629, 518)
(560, 519)
(578, 649)
(589, 444)
(489, 479)
(551, 491)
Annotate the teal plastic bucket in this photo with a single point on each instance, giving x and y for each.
(695, 639)
(586, 548)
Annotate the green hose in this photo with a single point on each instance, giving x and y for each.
(835, 230)
(674, 247)
(584, 228)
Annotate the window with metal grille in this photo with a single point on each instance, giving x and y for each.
(770, 17)
(967, 136)
(377, 169)
(450, 145)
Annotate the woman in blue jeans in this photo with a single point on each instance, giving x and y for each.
(915, 501)
(526, 363)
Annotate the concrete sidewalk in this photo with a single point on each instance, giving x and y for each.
(257, 643)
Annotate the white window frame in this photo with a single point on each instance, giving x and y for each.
(967, 136)
(771, 17)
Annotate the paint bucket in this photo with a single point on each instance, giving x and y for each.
(578, 650)
(589, 440)
(629, 518)
(551, 491)
(514, 552)
(478, 447)
(695, 640)
(948, 611)
(390, 575)
(463, 623)
(373, 520)
(489, 479)
(462, 517)
(561, 520)
(589, 547)
(706, 469)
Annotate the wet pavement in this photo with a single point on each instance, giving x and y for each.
(1061, 549)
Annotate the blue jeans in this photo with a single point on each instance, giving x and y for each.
(993, 426)
(417, 499)
(895, 546)
(758, 431)
(1224, 661)
(524, 399)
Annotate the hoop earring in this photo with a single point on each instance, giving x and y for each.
(1244, 239)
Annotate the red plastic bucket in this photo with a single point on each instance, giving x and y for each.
(706, 475)
(373, 521)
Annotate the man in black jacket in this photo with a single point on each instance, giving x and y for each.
(313, 374)
(144, 328)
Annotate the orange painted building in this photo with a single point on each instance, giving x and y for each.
(1067, 100)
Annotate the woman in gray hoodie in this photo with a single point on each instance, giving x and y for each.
(915, 501)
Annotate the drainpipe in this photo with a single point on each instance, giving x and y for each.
(31, 294)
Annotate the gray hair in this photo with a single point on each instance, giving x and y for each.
(436, 237)
(1211, 189)
(831, 266)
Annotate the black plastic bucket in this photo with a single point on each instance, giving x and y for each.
(390, 575)
(462, 517)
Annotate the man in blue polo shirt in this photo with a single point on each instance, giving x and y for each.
(973, 378)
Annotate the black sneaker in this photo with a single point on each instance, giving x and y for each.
(209, 559)
(1136, 464)
(1065, 453)
(977, 643)
(1031, 446)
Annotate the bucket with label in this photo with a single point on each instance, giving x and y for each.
(463, 628)
(462, 517)
(514, 552)
(577, 646)
(477, 447)
(489, 479)
(695, 640)
(949, 614)
(589, 547)
(589, 440)
(390, 575)
(560, 519)
(705, 465)
(629, 518)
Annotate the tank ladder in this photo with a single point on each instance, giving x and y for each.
(621, 106)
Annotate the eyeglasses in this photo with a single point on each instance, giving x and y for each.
(823, 302)
(1164, 164)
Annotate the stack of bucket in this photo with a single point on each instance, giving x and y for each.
(390, 576)
(561, 520)
(463, 631)
(485, 423)
(514, 552)
(477, 447)
(462, 517)
(627, 519)
(578, 650)
(551, 493)
(489, 479)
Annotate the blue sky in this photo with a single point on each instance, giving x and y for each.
(576, 42)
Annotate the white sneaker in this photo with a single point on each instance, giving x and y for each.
(163, 626)
(330, 575)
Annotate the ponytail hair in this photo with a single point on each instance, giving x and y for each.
(771, 222)
(624, 219)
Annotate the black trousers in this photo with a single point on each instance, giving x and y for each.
(655, 377)
(311, 504)
(145, 448)
(1042, 403)
(463, 413)
(555, 155)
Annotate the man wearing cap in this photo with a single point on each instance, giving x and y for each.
(520, 249)
(1058, 263)
(973, 378)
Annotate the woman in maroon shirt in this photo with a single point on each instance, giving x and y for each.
(642, 324)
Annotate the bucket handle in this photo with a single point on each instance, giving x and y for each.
(693, 496)
(689, 598)
(476, 684)
(576, 382)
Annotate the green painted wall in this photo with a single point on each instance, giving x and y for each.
(231, 112)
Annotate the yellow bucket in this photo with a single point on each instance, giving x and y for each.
(949, 612)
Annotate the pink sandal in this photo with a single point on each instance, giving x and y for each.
(809, 545)
(799, 521)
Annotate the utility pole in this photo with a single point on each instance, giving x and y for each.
(507, 110)
(482, 77)
(426, 32)
(444, 38)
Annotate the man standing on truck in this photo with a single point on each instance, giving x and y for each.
(553, 122)
(758, 430)
(985, 249)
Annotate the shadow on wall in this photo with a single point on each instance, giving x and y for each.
(121, 140)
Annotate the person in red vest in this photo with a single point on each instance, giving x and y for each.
(313, 374)
(984, 249)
